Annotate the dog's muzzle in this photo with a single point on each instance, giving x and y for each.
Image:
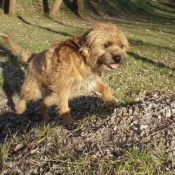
(117, 58)
(111, 60)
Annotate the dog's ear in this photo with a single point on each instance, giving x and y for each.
(96, 25)
(102, 25)
(84, 43)
(84, 38)
(106, 27)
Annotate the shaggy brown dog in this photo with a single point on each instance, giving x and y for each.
(70, 68)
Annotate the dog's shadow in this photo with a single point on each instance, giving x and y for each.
(81, 107)
(11, 75)
(85, 106)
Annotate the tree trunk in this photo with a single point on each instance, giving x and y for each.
(127, 3)
(55, 7)
(78, 6)
(45, 6)
(11, 9)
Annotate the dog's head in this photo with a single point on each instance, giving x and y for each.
(104, 47)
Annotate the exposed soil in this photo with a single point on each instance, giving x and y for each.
(150, 119)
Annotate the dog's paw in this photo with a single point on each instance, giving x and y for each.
(19, 110)
(111, 103)
(67, 121)
(66, 118)
(20, 107)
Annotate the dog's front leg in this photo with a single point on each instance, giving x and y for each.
(64, 108)
(106, 93)
(61, 101)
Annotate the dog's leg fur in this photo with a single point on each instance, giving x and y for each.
(44, 105)
(30, 91)
(20, 106)
(106, 93)
(64, 109)
(62, 104)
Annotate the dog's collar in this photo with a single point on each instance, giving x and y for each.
(73, 42)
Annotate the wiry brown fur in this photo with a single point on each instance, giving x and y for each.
(70, 68)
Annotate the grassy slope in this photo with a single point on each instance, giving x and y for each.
(149, 26)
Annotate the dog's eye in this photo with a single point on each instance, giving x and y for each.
(107, 44)
(121, 46)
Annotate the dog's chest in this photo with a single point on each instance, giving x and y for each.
(83, 86)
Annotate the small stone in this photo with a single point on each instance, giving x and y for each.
(136, 138)
(115, 127)
(173, 111)
(115, 110)
(19, 146)
(130, 111)
(159, 117)
(134, 122)
(173, 153)
(34, 151)
(143, 127)
(168, 113)
(173, 104)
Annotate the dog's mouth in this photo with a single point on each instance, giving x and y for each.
(117, 59)
(113, 65)
(109, 61)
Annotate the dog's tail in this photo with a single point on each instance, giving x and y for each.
(23, 54)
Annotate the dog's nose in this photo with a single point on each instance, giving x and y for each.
(117, 58)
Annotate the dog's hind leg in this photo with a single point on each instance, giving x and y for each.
(61, 102)
(45, 104)
(49, 100)
(30, 91)
(44, 108)
(64, 110)
(20, 106)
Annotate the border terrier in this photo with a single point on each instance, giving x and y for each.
(70, 68)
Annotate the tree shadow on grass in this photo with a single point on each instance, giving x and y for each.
(45, 28)
(147, 60)
(139, 11)
(48, 29)
(157, 47)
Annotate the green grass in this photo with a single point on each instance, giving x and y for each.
(149, 26)
(3, 81)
